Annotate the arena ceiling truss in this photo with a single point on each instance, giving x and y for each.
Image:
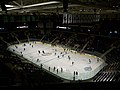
(56, 6)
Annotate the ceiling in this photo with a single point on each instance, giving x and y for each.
(56, 6)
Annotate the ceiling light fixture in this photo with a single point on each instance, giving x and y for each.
(40, 4)
(34, 5)
(9, 6)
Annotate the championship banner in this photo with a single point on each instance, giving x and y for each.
(69, 18)
(80, 18)
(65, 18)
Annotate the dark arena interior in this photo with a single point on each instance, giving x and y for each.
(85, 26)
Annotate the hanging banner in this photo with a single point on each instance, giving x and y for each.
(65, 17)
(69, 18)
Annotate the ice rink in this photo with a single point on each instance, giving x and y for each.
(62, 62)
